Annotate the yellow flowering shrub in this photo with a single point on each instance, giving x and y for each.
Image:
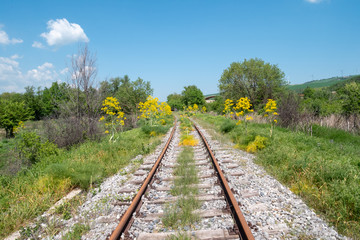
(228, 108)
(203, 109)
(258, 144)
(19, 127)
(242, 111)
(188, 140)
(153, 111)
(270, 113)
(113, 116)
(191, 110)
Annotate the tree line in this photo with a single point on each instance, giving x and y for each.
(71, 110)
(260, 81)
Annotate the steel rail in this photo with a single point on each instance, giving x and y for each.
(245, 232)
(129, 212)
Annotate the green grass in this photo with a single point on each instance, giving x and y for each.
(324, 169)
(34, 190)
(7, 156)
(180, 213)
(77, 231)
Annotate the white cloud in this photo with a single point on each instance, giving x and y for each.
(61, 32)
(64, 71)
(37, 45)
(43, 73)
(4, 38)
(12, 78)
(9, 68)
(314, 1)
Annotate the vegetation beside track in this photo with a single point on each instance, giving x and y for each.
(179, 215)
(323, 169)
(35, 189)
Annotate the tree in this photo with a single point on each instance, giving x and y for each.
(308, 92)
(33, 101)
(129, 93)
(192, 95)
(252, 78)
(79, 107)
(84, 97)
(53, 97)
(175, 101)
(351, 103)
(11, 113)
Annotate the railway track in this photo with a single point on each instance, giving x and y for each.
(218, 215)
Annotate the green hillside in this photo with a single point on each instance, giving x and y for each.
(320, 83)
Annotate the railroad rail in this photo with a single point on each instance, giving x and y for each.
(241, 228)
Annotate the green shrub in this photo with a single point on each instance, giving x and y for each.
(154, 130)
(227, 126)
(32, 148)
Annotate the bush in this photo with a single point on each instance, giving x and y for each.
(32, 148)
(258, 144)
(289, 112)
(227, 126)
(66, 132)
(154, 130)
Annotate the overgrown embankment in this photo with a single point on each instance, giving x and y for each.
(323, 169)
(34, 190)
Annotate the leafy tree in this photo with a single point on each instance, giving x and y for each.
(252, 78)
(320, 102)
(192, 95)
(34, 101)
(12, 97)
(129, 93)
(308, 92)
(175, 101)
(351, 93)
(11, 113)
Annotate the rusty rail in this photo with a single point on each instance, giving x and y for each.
(129, 212)
(244, 230)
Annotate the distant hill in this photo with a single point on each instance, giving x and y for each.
(335, 87)
(323, 83)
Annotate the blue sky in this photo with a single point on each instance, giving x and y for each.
(174, 44)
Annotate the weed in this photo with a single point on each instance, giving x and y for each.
(77, 231)
(64, 210)
(180, 213)
(227, 126)
(29, 232)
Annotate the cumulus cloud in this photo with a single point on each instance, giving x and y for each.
(61, 32)
(4, 38)
(43, 73)
(314, 1)
(37, 45)
(12, 78)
